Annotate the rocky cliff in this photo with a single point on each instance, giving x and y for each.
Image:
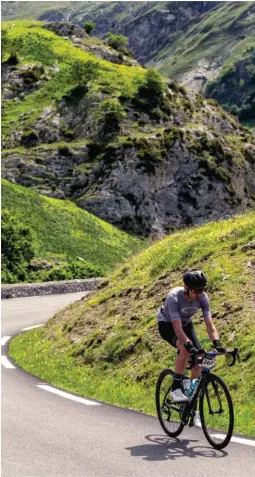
(143, 154)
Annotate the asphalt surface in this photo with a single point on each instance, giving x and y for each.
(44, 434)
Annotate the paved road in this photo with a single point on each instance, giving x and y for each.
(44, 434)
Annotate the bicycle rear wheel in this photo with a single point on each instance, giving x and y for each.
(169, 412)
(216, 412)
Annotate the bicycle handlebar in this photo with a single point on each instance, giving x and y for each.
(195, 359)
(235, 356)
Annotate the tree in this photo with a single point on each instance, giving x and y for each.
(17, 249)
(89, 27)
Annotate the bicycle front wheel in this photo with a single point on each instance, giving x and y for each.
(216, 412)
(169, 412)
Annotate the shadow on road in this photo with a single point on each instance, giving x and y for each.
(166, 448)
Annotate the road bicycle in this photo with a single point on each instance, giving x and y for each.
(215, 403)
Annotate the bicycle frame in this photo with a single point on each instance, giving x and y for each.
(190, 407)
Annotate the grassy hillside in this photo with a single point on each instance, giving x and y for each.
(109, 348)
(62, 231)
(35, 44)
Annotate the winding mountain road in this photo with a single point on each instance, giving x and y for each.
(48, 434)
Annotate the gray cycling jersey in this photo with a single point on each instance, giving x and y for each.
(176, 307)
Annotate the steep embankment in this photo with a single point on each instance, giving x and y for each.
(63, 233)
(108, 347)
(216, 56)
(140, 152)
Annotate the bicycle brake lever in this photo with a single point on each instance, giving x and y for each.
(192, 361)
(235, 355)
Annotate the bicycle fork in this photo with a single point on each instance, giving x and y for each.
(190, 408)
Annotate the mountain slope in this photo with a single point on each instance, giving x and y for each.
(208, 46)
(216, 56)
(63, 232)
(109, 347)
(140, 152)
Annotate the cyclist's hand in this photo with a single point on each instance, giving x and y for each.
(192, 350)
(219, 347)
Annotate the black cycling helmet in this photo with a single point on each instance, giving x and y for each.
(194, 279)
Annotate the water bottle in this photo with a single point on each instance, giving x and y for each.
(186, 385)
(193, 387)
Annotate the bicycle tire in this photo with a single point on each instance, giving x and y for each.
(179, 426)
(214, 384)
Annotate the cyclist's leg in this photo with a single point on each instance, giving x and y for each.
(182, 358)
(190, 331)
(167, 332)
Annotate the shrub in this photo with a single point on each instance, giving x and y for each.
(89, 27)
(75, 270)
(17, 249)
(58, 274)
(80, 269)
(110, 115)
(117, 41)
(84, 71)
(153, 88)
(151, 97)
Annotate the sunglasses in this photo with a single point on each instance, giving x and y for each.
(198, 290)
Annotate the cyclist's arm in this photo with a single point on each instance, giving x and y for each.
(211, 330)
(175, 318)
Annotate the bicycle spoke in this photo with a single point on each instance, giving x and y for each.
(216, 411)
(169, 412)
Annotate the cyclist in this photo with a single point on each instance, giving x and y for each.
(176, 327)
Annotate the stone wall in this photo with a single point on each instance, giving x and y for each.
(48, 288)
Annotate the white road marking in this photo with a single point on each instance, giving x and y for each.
(31, 327)
(6, 363)
(67, 395)
(4, 340)
(239, 440)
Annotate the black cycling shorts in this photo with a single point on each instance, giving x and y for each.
(166, 331)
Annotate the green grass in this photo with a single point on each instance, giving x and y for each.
(62, 229)
(116, 352)
(37, 44)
